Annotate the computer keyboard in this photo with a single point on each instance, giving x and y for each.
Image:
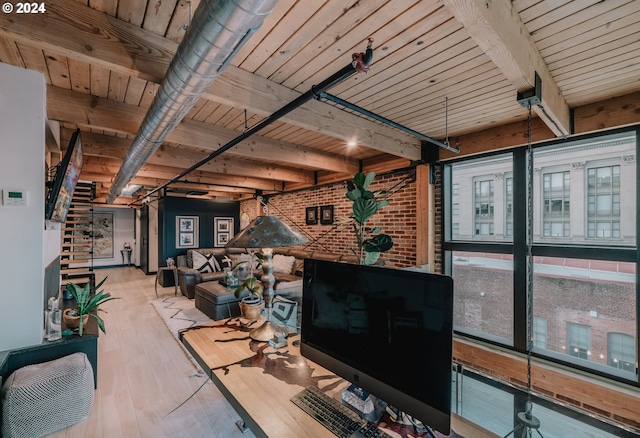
(333, 415)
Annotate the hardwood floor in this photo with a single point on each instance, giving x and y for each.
(143, 373)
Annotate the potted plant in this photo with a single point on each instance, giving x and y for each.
(371, 241)
(251, 306)
(88, 301)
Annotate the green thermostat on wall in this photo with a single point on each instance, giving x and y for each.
(14, 197)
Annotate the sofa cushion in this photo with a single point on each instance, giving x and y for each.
(298, 267)
(283, 264)
(212, 276)
(245, 257)
(326, 256)
(216, 251)
(206, 262)
(300, 253)
(288, 281)
(350, 258)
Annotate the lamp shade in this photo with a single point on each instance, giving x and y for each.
(266, 232)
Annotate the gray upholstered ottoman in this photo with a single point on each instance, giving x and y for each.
(40, 399)
(216, 301)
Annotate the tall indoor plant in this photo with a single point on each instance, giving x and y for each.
(365, 203)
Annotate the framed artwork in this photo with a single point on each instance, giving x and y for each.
(101, 231)
(222, 230)
(326, 214)
(187, 231)
(311, 217)
(222, 239)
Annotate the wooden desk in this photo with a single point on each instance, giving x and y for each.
(259, 381)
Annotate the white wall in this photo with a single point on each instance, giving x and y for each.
(22, 124)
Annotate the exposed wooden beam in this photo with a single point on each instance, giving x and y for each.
(100, 165)
(618, 111)
(99, 113)
(115, 147)
(81, 33)
(499, 31)
(501, 137)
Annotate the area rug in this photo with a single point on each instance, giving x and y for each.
(180, 313)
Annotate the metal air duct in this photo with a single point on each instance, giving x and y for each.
(218, 30)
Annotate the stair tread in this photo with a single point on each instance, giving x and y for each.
(76, 271)
(74, 262)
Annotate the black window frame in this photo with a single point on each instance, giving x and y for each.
(518, 247)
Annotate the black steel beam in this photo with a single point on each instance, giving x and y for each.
(331, 81)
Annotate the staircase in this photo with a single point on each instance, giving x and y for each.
(76, 247)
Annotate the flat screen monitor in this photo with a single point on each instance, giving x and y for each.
(65, 181)
(387, 331)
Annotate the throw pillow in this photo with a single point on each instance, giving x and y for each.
(283, 264)
(205, 263)
(247, 258)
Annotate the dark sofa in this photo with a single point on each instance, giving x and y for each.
(188, 277)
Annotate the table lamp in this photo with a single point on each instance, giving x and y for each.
(266, 233)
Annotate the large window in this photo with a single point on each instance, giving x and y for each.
(588, 299)
(483, 298)
(481, 200)
(584, 250)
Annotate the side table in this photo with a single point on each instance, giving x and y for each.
(175, 278)
(126, 253)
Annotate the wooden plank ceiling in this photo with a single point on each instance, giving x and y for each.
(443, 68)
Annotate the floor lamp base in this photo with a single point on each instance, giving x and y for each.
(267, 331)
(528, 423)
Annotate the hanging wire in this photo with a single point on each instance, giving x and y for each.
(446, 121)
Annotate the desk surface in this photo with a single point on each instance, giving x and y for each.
(259, 381)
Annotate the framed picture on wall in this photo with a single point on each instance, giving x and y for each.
(326, 214)
(101, 232)
(311, 217)
(187, 231)
(222, 239)
(223, 230)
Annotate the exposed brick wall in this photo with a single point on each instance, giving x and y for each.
(398, 219)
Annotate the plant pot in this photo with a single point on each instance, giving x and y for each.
(251, 308)
(73, 322)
